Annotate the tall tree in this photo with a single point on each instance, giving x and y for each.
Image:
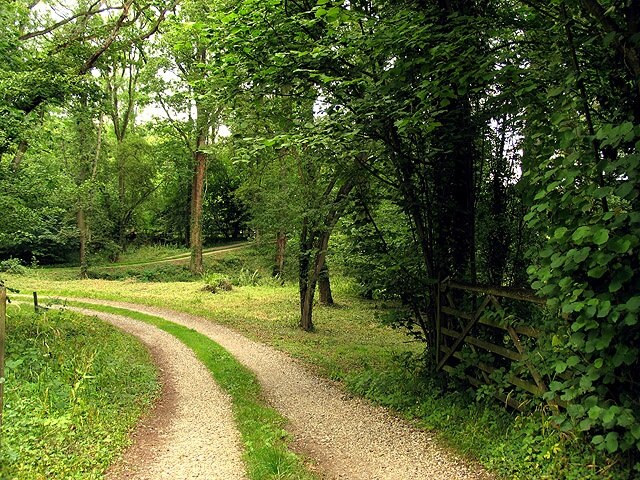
(186, 44)
(85, 154)
(51, 47)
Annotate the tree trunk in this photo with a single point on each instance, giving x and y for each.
(324, 285)
(314, 244)
(122, 175)
(17, 158)
(83, 228)
(281, 245)
(195, 229)
(306, 287)
(306, 309)
(203, 120)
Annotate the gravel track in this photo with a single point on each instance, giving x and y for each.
(347, 437)
(191, 433)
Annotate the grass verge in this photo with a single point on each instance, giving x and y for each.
(265, 440)
(70, 403)
(516, 447)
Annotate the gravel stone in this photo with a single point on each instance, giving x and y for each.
(191, 433)
(346, 437)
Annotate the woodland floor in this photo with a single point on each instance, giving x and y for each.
(190, 434)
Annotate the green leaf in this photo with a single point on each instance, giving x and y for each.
(604, 308)
(626, 419)
(557, 261)
(609, 415)
(554, 92)
(630, 319)
(585, 424)
(633, 304)
(573, 360)
(586, 383)
(560, 232)
(611, 442)
(560, 367)
(594, 412)
(582, 254)
(580, 233)
(625, 189)
(597, 272)
(541, 194)
(601, 236)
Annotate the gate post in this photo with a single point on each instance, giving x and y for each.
(3, 318)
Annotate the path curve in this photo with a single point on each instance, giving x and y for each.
(191, 432)
(349, 438)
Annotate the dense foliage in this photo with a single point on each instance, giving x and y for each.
(491, 142)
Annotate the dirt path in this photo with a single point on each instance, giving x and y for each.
(191, 433)
(347, 437)
(176, 259)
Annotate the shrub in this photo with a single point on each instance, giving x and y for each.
(214, 282)
(14, 266)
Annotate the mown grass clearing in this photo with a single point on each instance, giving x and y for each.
(70, 402)
(348, 338)
(265, 440)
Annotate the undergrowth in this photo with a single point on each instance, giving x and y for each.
(164, 272)
(513, 446)
(266, 452)
(70, 402)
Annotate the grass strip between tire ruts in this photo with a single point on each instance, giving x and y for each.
(266, 453)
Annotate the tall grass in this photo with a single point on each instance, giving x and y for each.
(70, 402)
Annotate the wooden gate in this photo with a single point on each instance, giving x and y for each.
(478, 341)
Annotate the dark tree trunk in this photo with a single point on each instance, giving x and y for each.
(197, 189)
(121, 194)
(83, 228)
(203, 122)
(195, 229)
(313, 251)
(324, 286)
(306, 286)
(281, 245)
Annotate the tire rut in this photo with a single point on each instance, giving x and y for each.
(347, 437)
(191, 432)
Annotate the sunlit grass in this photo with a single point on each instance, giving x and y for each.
(348, 337)
(70, 399)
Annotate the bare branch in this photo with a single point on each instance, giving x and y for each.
(110, 39)
(64, 21)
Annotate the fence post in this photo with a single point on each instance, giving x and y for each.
(438, 320)
(3, 318)
(35, 301)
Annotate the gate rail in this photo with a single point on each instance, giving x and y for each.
(460, 330)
